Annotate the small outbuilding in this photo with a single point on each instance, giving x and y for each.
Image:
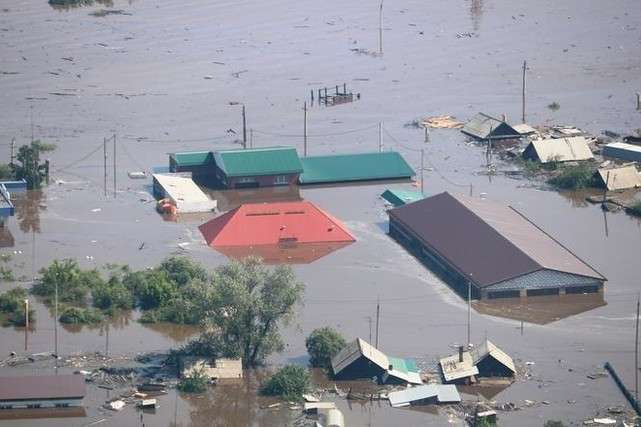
(197, 162)
(6, 205)
(559, 150)
(257, 167)
(484, 127)
(623, 151)
(32, 392)
(486, 360)
(354, 167)
(359, 360)
(424, 394)
(214, 369)
(401, 197)
(182, 192)
(619, 178)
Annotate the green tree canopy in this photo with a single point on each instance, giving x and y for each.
(73, 282)
(290, 382)
(29, 166)
(323, 344)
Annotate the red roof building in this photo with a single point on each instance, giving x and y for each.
(287, 232)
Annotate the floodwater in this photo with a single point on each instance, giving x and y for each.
(161, 78)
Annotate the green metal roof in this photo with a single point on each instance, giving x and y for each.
(402, 197)
(354, 167)
(402, 365)
(192, 158)
(259, 161)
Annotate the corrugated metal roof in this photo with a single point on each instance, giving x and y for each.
(272, 223)
(354, 167)
(482, 126)
(353, 351)
(454, 370)
(562, 149)
(259, 161)
(444, 393)
(42, 387)
(487, 348)
(524, 129)
(401, 197)
(486, 242)
(620, 178)
(185, 194)
(621, 150)
(404, 369)
(193, 158)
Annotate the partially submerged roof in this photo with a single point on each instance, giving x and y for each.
(620, 178)
(259, 161)
(255, 224)
(482, 126)
(562, 149)
(444, 393)
(401, 197)
(453, 369)
(524, 129)
(487, 348)
(221, 368)
(192, 158)
(42, 387)
(621, 150)
(185, 194)
(403, 369)
(485, 241)
(354, 167)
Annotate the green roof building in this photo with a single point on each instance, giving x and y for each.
(192, 161)
(354, 167)
(401, 197)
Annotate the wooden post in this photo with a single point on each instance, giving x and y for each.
(55, 319)
(380, 28)
(104, 149)
(47, 171)
(638, 101)
(427, 135)
(26, 324)
(312, 92)
(305, 129)
(636, 355)
(422, 169)
(114, 165)
(523, 93)
(471, 190)
(336, 89)
(251, 138)
(344, 88)
(469, 314)
(319, 96)
(13, 150)
(605, 190)
(244, 129)
(378, 315)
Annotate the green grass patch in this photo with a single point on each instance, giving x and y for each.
(80, 316)
(196, 383)
(573, 177)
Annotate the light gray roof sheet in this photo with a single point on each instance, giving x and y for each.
(562, 149)
(620, 178)
(444, 393)
(487, 348)
(357, 348)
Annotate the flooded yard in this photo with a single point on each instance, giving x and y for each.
(161, 78)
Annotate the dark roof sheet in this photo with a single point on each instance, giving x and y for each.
(482, 126)
(42, 387)
(485, 241)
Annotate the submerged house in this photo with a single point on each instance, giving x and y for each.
(559, 150)
(424, 394)
(486, 360)
(490, 247)
(484, 127)
(620, 178)
(622, 151)
(214, 369)
(6, 205)
(182, 192)
(338, 168)
(199, 163)
(401, 197)
(282, 232)
(360, 360)
(53, 391)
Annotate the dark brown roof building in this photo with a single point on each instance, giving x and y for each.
(41, 391)
(490, 245)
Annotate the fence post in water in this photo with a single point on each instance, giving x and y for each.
(312, 91)
(523, 94)
(638, 101)
(345, 88)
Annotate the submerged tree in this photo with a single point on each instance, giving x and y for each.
(249, 303)
(29, 166)
(323, 344)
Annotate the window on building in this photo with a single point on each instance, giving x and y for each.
(246, 180)
(33, 406)
(62, 405)
(281, 180)
(6, 407)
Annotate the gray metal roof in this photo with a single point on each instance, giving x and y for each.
(544, 279)
(620, 178)
(487, 348)
(454, 370)
(562, 149)
(484, 241)
(444, 393)
(482, 126)
(353, 351)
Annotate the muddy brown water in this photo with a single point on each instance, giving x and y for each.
(162, 78)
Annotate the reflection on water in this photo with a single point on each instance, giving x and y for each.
(28, 206)
(540, 309)
(476, 13)
(6, 238)
(176, 332)
(65, 5)
(488, 392)
(303, 253)
(120, 320)
(231, 199)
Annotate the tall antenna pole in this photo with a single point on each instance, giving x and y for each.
(244, 129)
(523, 94)
(636, 355)
(469, 313)
(380, 136)
(422, 169)
(380, 29)
(378, 316)
(305, 129)
(104, 149)
(114, 165)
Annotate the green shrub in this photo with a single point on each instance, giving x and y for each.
(73, 282)
(553, 423)
(181, 270)
(635, 209)
(573, 177)
(323, 344)
(80, 316)
(6, 274)
(290, 383)
(150, 287)
(196, 383)
(12, 307)
(114, 295)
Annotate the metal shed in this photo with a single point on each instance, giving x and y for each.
(491, 247)
(422, 394)
(559, 150)
(623, 151)
(196, 162)
(483, 126)
(354, 167)
(183, 192)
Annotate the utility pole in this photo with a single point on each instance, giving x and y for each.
(380, 29)
(469, 313)
(13, 150)
(369, 319)
(523, 93)
(26, 323)
(251, 138)
(55, 314)
(114, 165)
(244, 129)
(104, 149)
(422, 169)
(31, 123)
(378, 316)
(380, 137)
(305, 129)
(636, 355)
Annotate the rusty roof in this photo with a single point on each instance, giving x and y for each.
(42, 387)
(485, 241)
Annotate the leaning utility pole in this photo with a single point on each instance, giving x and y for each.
(523, 94)
(114, 165)
(469, 314)
(305, 129)
(378, 316)
(244, 129)
(104, 149)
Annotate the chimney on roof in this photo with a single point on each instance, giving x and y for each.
(460, 353)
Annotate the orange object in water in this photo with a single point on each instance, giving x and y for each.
(169, 208)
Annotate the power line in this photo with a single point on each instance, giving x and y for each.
(284, 135)
(85, 157)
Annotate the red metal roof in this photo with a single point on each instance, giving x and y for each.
(274, 224)
(42, 387)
